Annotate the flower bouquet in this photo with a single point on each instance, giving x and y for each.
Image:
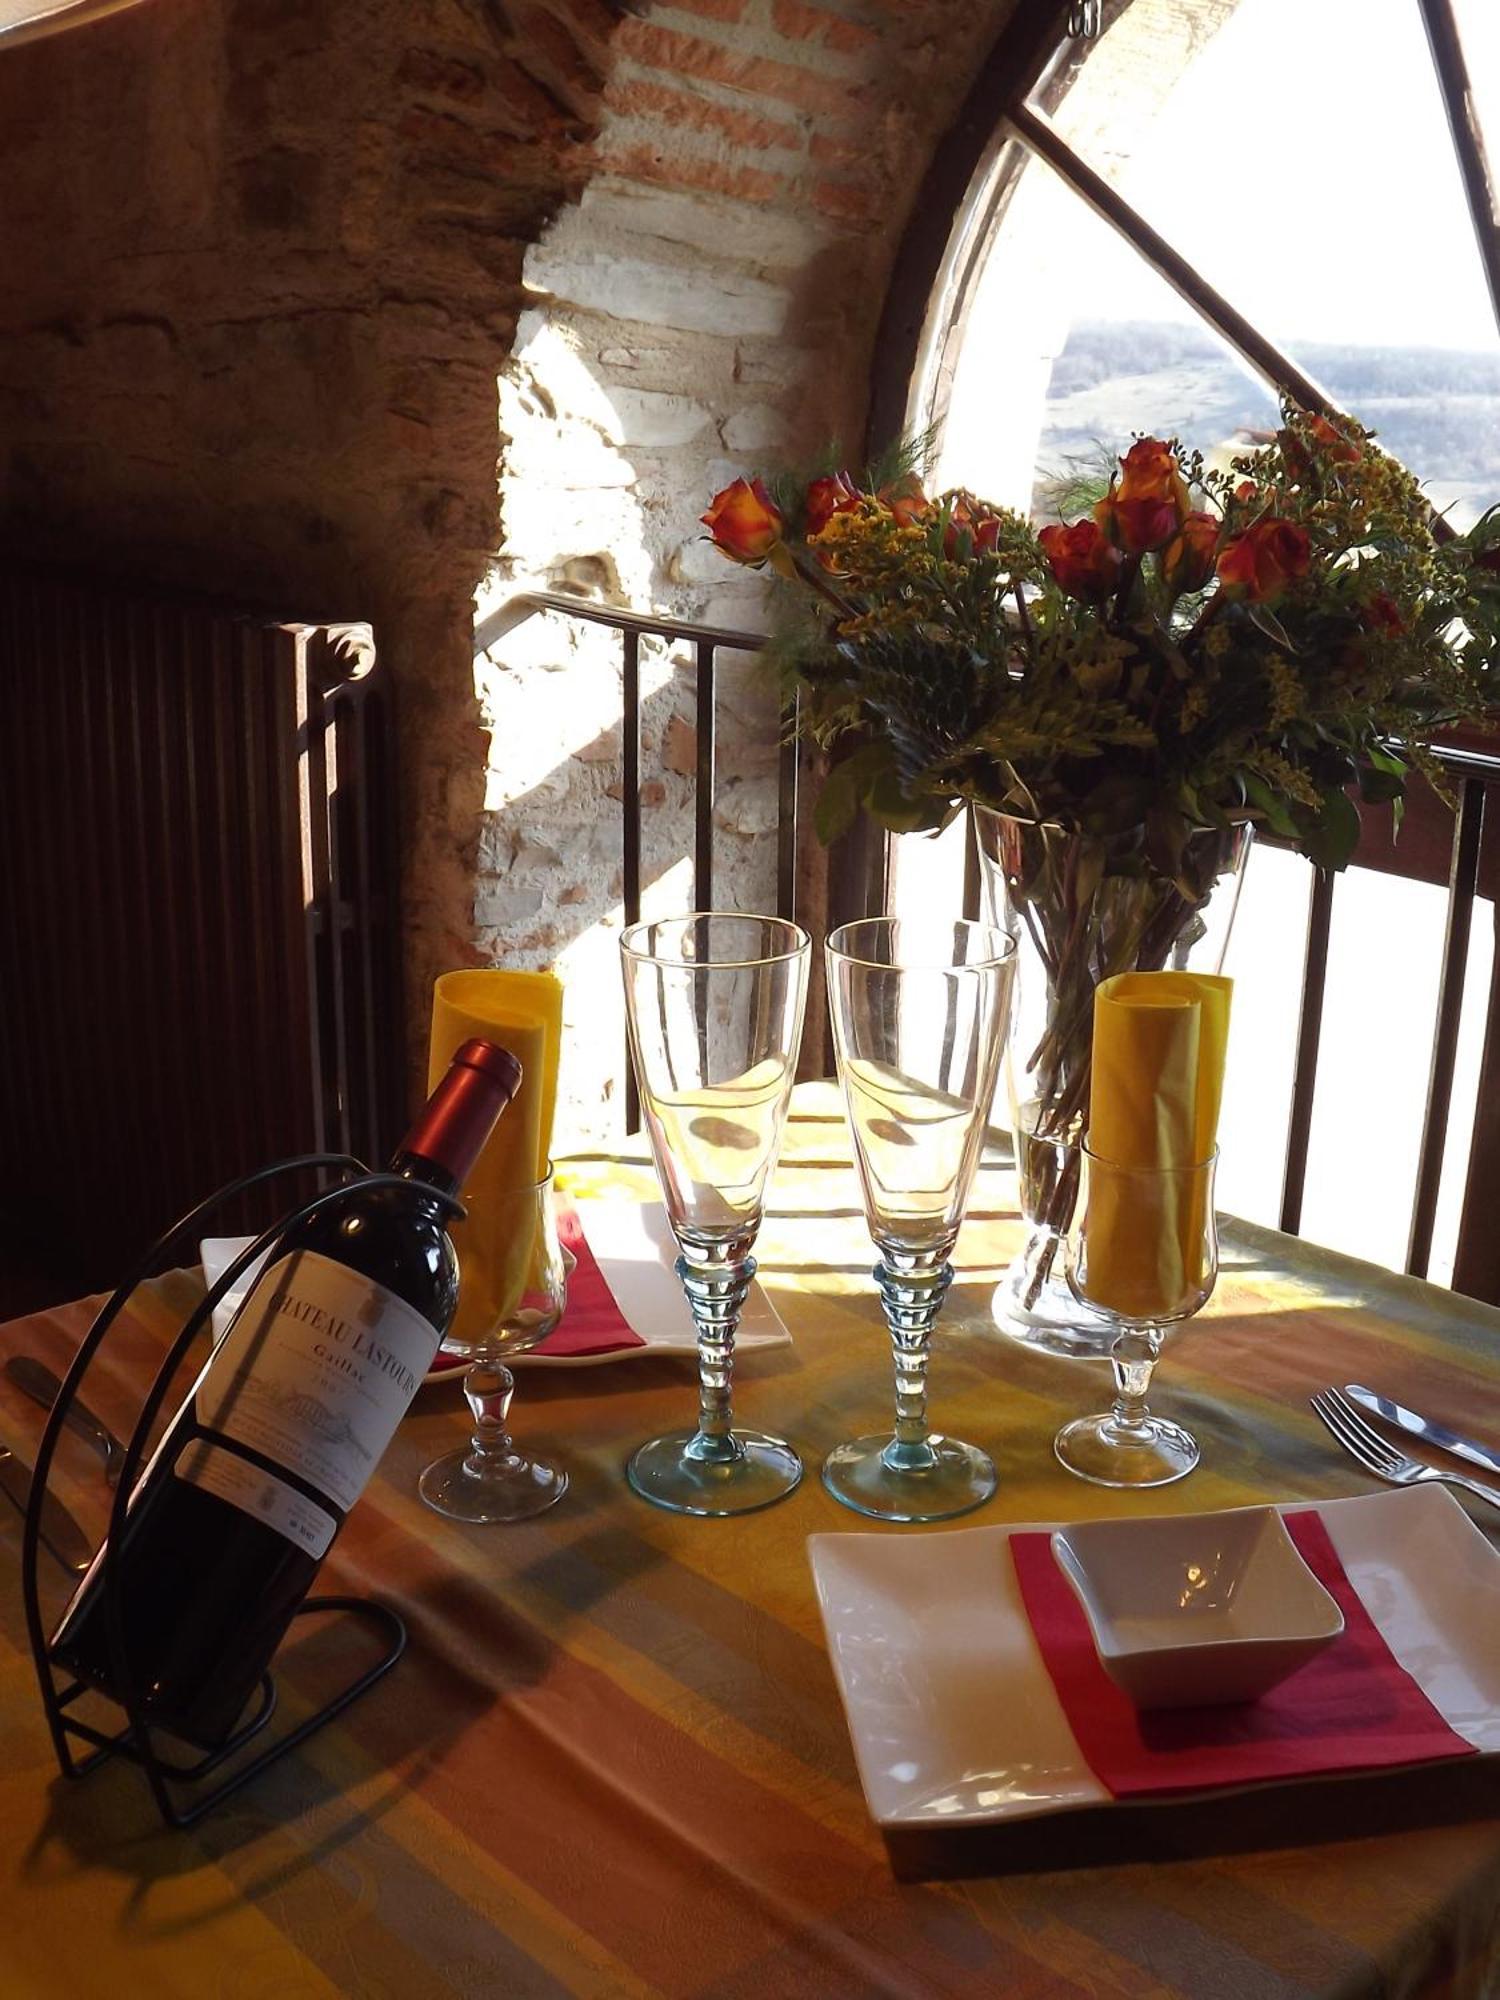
(1121, 698)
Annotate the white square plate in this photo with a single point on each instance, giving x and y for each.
(955, 1720)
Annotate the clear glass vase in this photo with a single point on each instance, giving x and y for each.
(1081, 908)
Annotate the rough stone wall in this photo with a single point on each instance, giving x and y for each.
(262, 263)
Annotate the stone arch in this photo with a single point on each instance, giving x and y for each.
(262, 263)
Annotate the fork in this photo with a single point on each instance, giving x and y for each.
(1379, 1456)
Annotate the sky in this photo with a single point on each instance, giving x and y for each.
(1304, 164)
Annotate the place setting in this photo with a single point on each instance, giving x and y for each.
(989, 1673)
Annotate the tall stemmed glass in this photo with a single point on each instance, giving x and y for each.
(1143, 1250)
(714, 1003)
(920, 1012)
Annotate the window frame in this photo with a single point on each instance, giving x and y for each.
(962, 199)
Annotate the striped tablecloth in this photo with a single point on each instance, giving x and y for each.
(614, 1761)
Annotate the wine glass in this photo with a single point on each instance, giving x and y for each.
(489, 1479)
(920, 1012)
(714, 1003)
(1143, 1250)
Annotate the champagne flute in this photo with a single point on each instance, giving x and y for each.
(1143, 1251)
(920, 1013)
(490, 1479)
(714, 1003)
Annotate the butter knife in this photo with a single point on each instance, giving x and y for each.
(60, 1533)
(1423, 1427)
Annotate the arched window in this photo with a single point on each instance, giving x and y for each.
(1212, 201)
(1157, 225)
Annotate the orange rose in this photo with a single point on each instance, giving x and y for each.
(1383, 614)
(1084, 563)
(1148, 502)
(1329, 444)
(905, 499)
(834, 493)
(971, 518)
(743, 522)
(1187, 562)
(1342, 450)
(1259, 564)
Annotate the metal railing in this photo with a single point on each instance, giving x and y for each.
(1477, 1264)
(1472, 772)
(707, 642)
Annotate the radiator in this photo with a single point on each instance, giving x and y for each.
(198, 917)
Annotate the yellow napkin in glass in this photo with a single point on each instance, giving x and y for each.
(1160, 1040)
(522, 1011)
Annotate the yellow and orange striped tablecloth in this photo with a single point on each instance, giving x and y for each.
(614, 1760)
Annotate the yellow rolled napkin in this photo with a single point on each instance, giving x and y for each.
(523, 1012)
(1160, 1040)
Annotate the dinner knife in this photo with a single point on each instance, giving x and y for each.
(1423, 1427)
(44, 1386)
(59, 1531)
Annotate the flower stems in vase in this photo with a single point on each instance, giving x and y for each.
(1082, 908)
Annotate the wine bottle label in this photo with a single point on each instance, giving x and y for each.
(258, 1493)
(316, 1372)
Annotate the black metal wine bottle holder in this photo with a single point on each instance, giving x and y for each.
(137, 1741)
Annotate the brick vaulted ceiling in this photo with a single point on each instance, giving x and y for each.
(263, 262)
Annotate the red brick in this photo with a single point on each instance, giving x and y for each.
(685, 55)
(799, 23)
(848, 37)
(699, 114)
(849, 201)
(838, 152)
(697, 176)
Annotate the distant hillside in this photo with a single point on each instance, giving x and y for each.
(1436, 409)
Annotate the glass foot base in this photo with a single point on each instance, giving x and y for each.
(1102, 1451)
(762, 1471)
(959, 1479)
(1053, 1322)
(513, 1490)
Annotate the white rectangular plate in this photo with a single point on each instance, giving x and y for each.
(955, 1720)
(635, 1250)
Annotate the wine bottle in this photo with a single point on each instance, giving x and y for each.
(237, 1507)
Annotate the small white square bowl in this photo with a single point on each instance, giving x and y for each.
(1192, 1609)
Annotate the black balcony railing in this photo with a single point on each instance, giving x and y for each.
(1472, 774)
(706, 642)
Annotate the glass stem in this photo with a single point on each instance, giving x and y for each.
(716, 1292)
(488, 1388)
(912, 1290)
(1133, 1356)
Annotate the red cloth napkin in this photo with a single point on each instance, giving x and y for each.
(593, 1323)
(1350, 1708)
